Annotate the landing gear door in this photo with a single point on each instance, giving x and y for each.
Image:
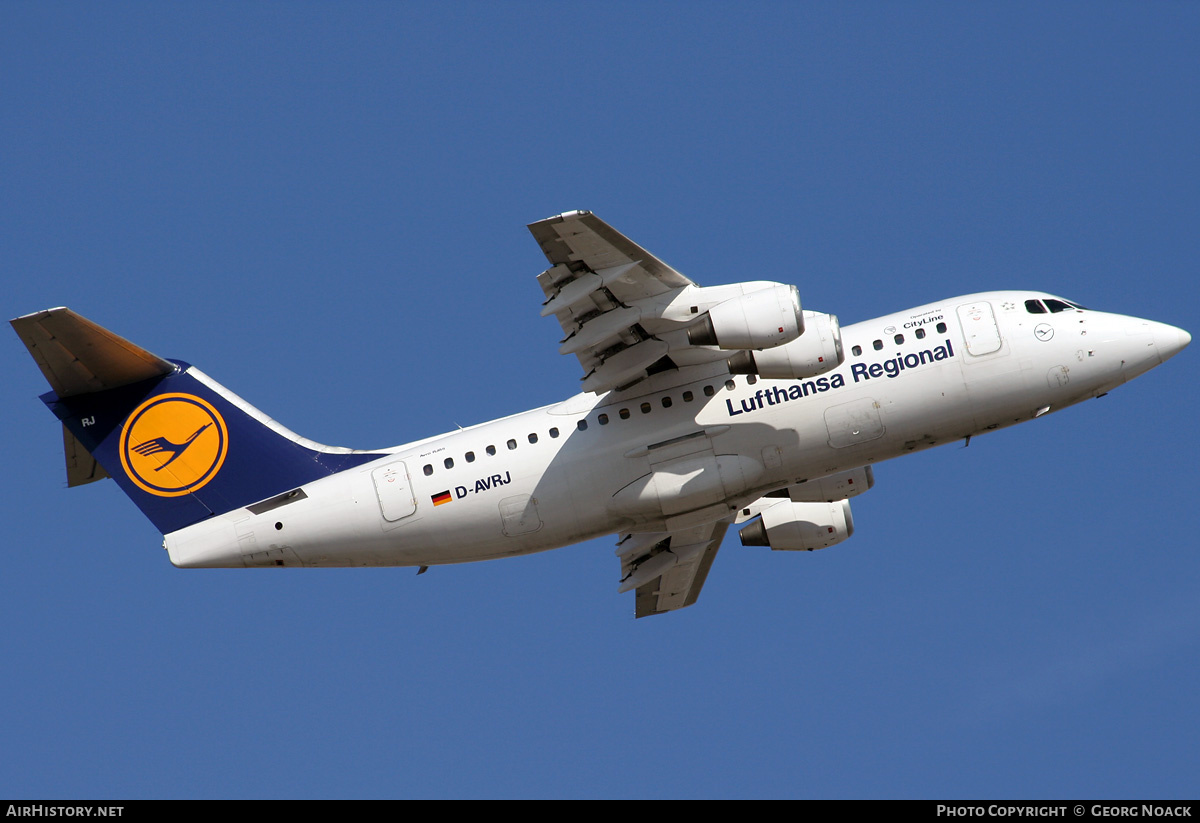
(394, 491)
(980, 332)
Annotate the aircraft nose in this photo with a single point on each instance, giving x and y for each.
(1169, 340)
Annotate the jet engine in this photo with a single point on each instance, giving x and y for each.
(789, 526)
(815, 352)
(840, 486)
(758, 320)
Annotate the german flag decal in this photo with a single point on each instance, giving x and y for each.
(441, 497)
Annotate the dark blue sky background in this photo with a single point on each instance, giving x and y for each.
(323, 206)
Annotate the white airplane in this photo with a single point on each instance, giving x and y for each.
(701, 407)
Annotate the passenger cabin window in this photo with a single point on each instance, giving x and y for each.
(645, 408)
(623, 414)
(941, 327)
(470, 457)
(532, 437)
(428, 469)
(512, 444)
(449, 462)
(856, 351)
(877, 345)
(554, 432)
(752, 379)
(709, 391)
(666, 401)
(920, 334)
(581, 425)
(687, 397)
(729, 384)
(491, 450)
(602, 420)
(899, 339)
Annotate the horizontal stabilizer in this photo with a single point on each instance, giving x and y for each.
(79, 357)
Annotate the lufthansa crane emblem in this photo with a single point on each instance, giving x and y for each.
(173, 444)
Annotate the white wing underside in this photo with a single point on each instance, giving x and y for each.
(668, 569)
(622, 310)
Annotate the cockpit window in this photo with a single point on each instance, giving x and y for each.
(1058, 305)
(1054, 304)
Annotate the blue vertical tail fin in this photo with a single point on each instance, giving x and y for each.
(181, 446)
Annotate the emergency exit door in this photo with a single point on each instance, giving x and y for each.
(395, 494)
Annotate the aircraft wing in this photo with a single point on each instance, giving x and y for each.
(668, 569)
(579, 240)
(609, 295)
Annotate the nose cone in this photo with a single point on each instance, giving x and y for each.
(1169, 340)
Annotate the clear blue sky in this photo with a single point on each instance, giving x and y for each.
(323, 206)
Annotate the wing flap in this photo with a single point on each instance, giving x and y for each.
(668, 569)
(604, 290)
(681, 586)
(626, 366)
(605, 327)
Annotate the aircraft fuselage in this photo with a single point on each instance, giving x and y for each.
(664, 455)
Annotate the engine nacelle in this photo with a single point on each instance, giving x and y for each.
(758, 320)
(789, 526)
(840, 486)
(817, 351)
